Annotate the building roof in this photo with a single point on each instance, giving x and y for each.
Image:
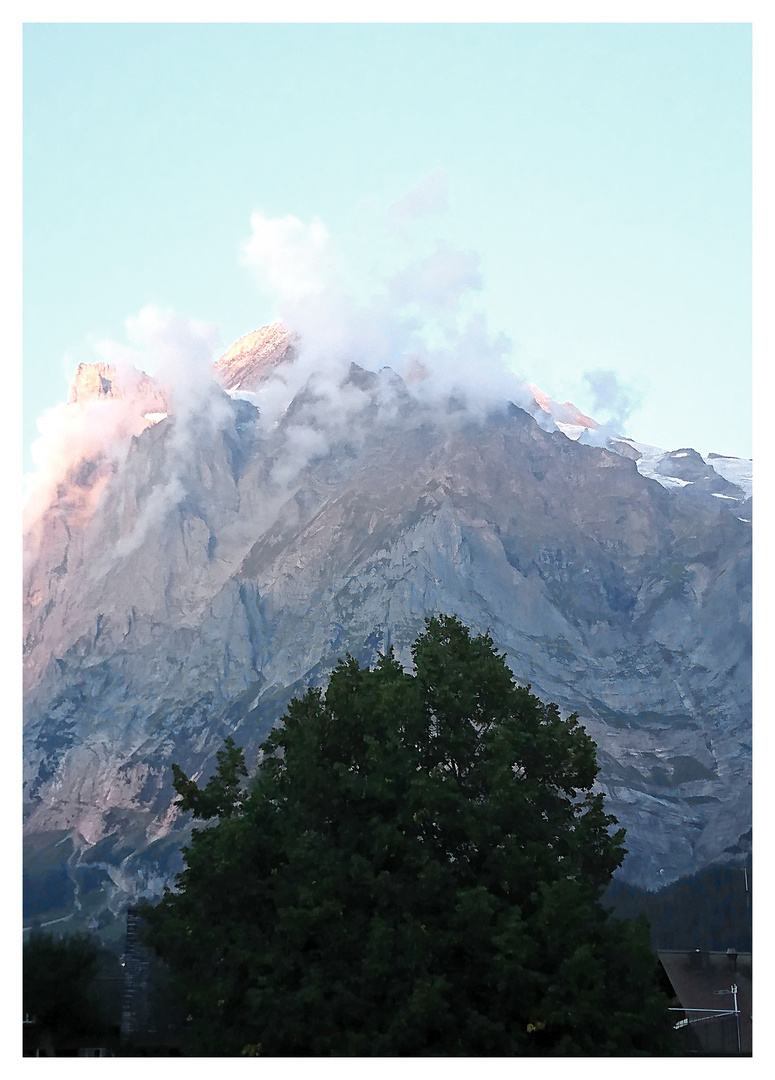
(703, 983)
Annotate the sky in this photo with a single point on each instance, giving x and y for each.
(579, 193)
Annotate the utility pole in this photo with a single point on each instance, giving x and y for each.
(733, 990)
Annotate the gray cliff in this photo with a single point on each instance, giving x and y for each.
(190, 586)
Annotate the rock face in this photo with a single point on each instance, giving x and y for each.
(230, 562)
(255, 355)
(97, 381)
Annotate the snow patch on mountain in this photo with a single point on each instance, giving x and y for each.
(651, 462)
(738, 471)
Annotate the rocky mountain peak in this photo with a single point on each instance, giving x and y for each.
(565, 413)
(249, 360)
(95, 382)
(90, 381)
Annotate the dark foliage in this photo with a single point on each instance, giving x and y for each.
(59, 985)
(415, 870)
(709, 911)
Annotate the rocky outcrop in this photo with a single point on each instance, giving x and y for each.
(95, 381)
(254, 356)
(232, 563)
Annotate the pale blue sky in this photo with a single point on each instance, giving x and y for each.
(602, 172)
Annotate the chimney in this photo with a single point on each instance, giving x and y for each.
(696, 959)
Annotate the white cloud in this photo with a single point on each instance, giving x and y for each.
(612, 402)
(162, 498)
(295, 260)
(414, 312)
(178, 351)
(437, 282)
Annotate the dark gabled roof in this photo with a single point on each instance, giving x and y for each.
(703, 981)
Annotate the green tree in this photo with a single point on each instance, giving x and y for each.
(58, 989)
(415, 869)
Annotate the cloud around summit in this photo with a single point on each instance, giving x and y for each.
(413, 309)
(612, 402)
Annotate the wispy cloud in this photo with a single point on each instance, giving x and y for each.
(424, 307)
(179, 353)
(436, 283)
(612, 402)
(413, 311)
(429, 197)
(295, 259)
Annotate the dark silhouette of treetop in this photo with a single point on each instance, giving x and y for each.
(414, 869)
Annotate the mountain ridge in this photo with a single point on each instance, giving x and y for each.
(337, 528)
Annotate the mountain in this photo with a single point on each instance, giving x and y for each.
(209, 552)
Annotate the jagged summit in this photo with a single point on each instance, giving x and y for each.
(247, 362)
(563, 414)
(92, 382)
(128, 401)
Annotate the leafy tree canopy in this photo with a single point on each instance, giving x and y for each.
(415, 869)
(58, 988)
